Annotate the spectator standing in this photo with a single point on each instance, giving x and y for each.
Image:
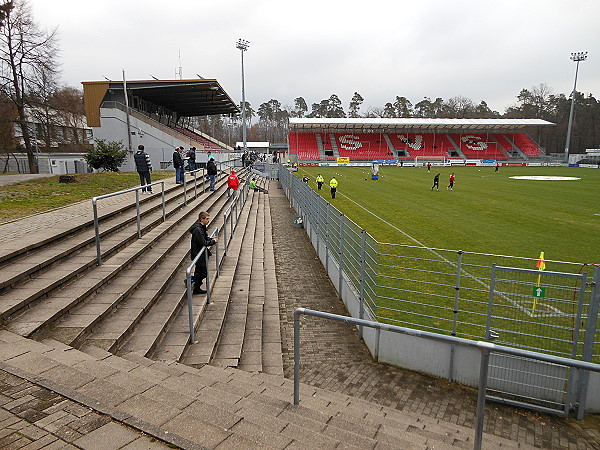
(320, 180)
(233, 183)
(192, 159)
(333, 184)
(211, 172)
(436, 182)
(451, 183)
(201, 240)
(143, 167)
(178, 164)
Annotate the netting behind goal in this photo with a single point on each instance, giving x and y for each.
(434, 160)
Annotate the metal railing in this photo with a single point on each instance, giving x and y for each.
(203, 253)
(232, 213)
(231, 217)
(485, 349)
(409, 284)
(137, 209)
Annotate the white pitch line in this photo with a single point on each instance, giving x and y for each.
(516, 304)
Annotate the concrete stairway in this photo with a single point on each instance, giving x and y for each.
(244, 331)
(220, 407)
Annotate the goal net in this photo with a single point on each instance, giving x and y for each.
(434, 160)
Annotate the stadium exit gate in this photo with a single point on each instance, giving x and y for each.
(550, 312)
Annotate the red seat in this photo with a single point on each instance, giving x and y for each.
(479, 146)
(526, 145)
(363, 146)
(422, 144)
(304, 145)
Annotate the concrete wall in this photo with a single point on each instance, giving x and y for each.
(159, 140)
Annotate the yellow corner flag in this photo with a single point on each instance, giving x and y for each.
(541, 264)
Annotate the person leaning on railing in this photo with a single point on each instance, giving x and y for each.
(201, 240)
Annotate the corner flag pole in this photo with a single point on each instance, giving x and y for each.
(541, 266)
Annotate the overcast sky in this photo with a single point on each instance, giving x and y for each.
(479, 49)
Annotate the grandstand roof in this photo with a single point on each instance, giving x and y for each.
(197, 97)
(417, 124)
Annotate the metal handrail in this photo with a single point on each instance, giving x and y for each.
(194, 172)
(188, 281)
(485, 349)
(228, 213)
(137, 208)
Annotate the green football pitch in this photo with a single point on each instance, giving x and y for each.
(487, 211)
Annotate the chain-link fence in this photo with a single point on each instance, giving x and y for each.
(440, 290)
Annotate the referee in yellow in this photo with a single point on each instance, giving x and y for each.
(333, 185)
(320, 180)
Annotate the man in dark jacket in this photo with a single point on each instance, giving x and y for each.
(201, 240)
(178, 164)
(192, 159)
(143, 167)
(211, 171)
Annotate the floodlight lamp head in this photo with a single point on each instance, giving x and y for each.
(242, 44)
(578, 56)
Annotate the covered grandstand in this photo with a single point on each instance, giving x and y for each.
(156, 113)
(410, 140)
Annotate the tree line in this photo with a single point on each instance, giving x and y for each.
(270, 121)
(29, 84)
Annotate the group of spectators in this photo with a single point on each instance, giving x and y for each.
(249, 158)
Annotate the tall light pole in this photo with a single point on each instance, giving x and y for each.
(577, 57)
(243, 46)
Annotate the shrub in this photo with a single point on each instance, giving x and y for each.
(107, 156)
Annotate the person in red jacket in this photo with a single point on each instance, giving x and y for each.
(452, 180)
(233, 182)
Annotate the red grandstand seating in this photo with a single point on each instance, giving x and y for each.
(206, 143)
(504, 143)
(304, 145)
(422, 144)
(479, 146)
(363, 146)
(526, 145)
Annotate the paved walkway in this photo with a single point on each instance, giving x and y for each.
(32, 417)
(333, 358)
(5, 180)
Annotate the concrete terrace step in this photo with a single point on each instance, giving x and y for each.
(107, 317)
(21, 266)
(60, 302)
(77, 261)
(229, 347)
(272, 360)
(208, 320)
(164, 331)
(221, 407)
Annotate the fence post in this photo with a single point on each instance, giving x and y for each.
(483, 373)
(137, 212)
(340, 256)
(588, 344)
(217, 255)
(97, 230)
(296, 357)
(224, 233)
(327, 239)
(207, 276)
(164, 211)
(184, 189)
(361, 311)
(188, 277)
(455, 312)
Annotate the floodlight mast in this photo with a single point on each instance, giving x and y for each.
(242, 45)
(576, 57)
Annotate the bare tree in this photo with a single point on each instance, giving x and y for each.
(28, 58)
